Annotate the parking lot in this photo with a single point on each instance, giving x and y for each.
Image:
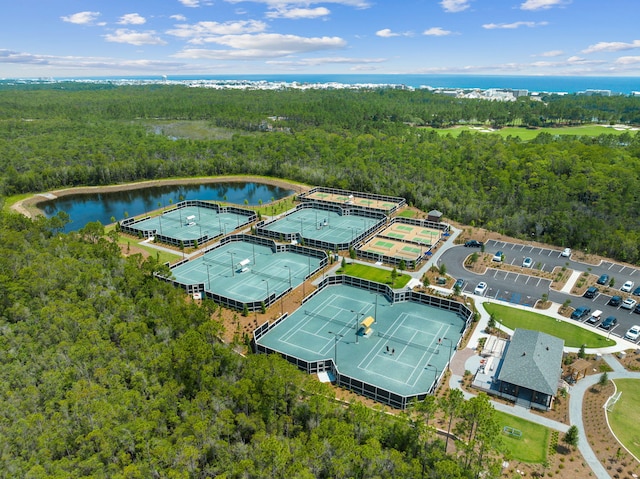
(521, 288)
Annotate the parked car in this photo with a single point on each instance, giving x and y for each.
(636, 292)
(627, 287)
(615, 301)
(481, 289)
(458, 284)
(609, 323)
(566, 252)
(629, 303)
(595, 317)
(580, 313)
(603, 279)
(591, 292)
(473, 244)
(637, 310)
(527, 263)
(633, 334)
(498, 256)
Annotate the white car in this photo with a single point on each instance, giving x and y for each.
(633, 334)
(566, 252)
(629, 303)
(627, 287)
(481, 289)
(527, 263)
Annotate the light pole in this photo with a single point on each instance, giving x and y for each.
(208, 277)
(288, 269)
(358, 315)
(335, 347)
(233, 270)
(435, 376)
(268, 293)
(450, 350)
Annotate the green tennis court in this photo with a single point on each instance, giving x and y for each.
(383, 244)
(395, 235)
(246, 272)
(411, 249)
(400, 352)
(404, 228)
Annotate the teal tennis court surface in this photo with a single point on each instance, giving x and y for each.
(246, 272)
(401, 350)
(323, 225)
(192, 222)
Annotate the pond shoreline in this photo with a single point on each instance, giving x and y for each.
(29, 206)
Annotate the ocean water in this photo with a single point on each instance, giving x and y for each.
(558, 84)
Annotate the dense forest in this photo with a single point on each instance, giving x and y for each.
(572, 191)
(109, 373)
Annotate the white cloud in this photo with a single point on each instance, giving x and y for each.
(628, 60)
(454, 6)
(437, 32)
(386, 33)
(190, 3)
(327, 61)
(550, 53)
(202, 32)
(132, 19)
(514, 25)
(122, 35)
(86, 63)
(264, 45)
(298, 13)
(611, 47)
(81, 18)
(542, 4)
(180, 18)
(278, 4)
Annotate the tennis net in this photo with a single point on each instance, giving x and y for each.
(268, 276)
(326, 318)
(408, 343)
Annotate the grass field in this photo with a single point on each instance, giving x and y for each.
(374, 274)
(527, 134)
(573, 336)
(625, 413)
(532, 446)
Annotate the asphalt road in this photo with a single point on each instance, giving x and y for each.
(521, 288)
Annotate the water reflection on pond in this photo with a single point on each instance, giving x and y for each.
(103, 207)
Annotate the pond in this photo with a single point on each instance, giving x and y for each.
(85, 208)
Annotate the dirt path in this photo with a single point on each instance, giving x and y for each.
(29, 206)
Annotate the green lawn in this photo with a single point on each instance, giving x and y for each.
(573, 336)
(527, 134)
(374, 274)
(532, 446)
(625, 413)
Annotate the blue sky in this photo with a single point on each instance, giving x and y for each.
(63, 38)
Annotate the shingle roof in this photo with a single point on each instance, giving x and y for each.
(533, 360)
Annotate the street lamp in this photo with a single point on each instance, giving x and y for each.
(450, 350)
(208, 277)
(268, 293)
(336, 337)
(435, 376)
(233, 270)
(289, 269)
(358, 315)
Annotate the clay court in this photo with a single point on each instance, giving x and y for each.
(403, 241)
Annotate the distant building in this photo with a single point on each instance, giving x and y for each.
(434, 215)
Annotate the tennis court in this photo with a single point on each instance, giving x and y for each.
(246, 272)
(396, 249)
(352, 198)
(192, 222)
(322, 225)
(398, 350)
